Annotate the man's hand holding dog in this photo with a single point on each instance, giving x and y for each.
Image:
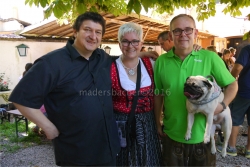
(218, 109)
(229, 94)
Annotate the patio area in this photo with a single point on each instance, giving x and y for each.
(43, 155)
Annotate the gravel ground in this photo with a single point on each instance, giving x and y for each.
(36, 156)
(43, 156)
(240, 160)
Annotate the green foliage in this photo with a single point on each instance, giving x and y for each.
(233, 6)
(248, 16)
(11, 143)
(246, 36)
(32, 137)
(70, 9)
(11, 148)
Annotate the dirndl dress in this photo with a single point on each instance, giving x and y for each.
(145, 149)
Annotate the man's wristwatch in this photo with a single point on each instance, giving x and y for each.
(223, 105)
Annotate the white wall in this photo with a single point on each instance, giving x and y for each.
(115, 49)
(13, 65)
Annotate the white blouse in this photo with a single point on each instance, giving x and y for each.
(126, 83)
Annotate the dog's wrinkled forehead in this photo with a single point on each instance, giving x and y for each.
(195, 79)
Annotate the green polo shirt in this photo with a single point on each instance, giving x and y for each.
(170, 74)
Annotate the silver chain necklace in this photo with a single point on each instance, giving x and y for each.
(131, 71)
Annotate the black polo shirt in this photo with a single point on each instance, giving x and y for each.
(77, 96)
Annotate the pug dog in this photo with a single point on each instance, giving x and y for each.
(203, 96)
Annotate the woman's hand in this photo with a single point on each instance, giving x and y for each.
(160, 132)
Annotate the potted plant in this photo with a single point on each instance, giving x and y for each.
(4, 83)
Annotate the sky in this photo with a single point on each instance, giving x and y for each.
(8, 9)
(225, 25)
(220, 25)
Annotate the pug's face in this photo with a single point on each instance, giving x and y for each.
(197, 87)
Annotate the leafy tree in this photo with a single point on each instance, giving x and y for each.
(68, 10)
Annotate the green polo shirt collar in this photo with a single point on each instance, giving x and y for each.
(172, 54)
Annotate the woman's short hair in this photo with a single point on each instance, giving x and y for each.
(231, 49)
(130, 27)
(226, 51)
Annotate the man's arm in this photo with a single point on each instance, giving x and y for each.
(152, 54)
(236, 70)
(36, 116)
(229, 94)
(158, 104)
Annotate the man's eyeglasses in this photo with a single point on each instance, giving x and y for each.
(133, 43)
(179, 31)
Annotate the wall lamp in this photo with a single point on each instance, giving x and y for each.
(150, 49)
(22, 49)
(107, 49)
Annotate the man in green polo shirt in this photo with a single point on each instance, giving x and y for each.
(171, 71)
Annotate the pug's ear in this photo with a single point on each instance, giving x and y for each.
(187, 78)
(207, 84)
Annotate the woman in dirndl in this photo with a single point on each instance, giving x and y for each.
(145, 149)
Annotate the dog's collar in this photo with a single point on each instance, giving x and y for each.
(215, 94)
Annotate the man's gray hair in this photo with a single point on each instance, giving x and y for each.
(130, 27)
(181, 15)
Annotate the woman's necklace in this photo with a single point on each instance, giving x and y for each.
(131, 71)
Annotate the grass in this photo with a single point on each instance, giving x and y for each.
(9, 142)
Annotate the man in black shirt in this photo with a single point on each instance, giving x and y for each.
(74, 85)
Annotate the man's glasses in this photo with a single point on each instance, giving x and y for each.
(179, 31)
(133, 43)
